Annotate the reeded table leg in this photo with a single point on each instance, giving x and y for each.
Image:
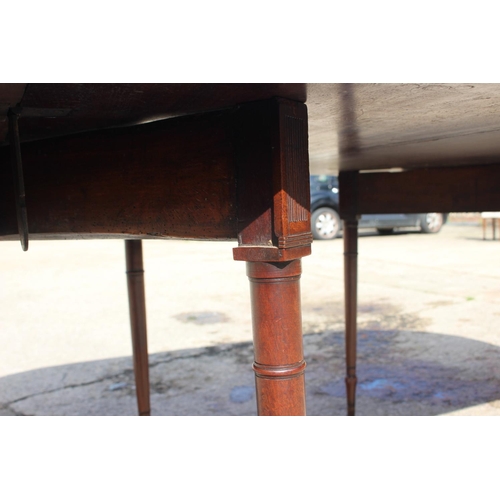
(351, 284)
(137, 305)
(277, 329)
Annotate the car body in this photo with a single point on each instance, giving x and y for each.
(326, 223)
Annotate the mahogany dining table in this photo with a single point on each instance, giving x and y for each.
(118, 160)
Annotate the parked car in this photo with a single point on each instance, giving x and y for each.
(326, 223)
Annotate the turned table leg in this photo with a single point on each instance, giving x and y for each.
(350, 284)
(137, 305)
(277, 329)
(274, 232)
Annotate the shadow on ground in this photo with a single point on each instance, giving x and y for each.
(401, 372)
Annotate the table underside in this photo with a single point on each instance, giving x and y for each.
(351, 126)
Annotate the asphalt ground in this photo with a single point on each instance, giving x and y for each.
(429, 327)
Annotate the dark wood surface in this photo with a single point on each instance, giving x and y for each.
(169, 178)
(273, 182)
(238, 173)
(351, 126)
(10, 95)
(57, 109)
(447, 189)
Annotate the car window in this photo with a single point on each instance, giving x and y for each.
(323, 182)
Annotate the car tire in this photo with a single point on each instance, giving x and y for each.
(385, 230)
(325, 223)
(432, 222)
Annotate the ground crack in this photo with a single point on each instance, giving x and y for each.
(207, 351)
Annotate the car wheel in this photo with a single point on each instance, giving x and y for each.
(385, 230)
(325, 224)
(432, 222)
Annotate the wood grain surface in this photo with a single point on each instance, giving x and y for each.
(452, 189)
(238, 173)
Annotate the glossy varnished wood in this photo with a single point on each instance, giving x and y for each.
(277, 332)
(138, 325)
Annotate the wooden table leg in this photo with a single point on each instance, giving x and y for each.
(351, 284)
(274, 233)
(277, 328)
(137, 305)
